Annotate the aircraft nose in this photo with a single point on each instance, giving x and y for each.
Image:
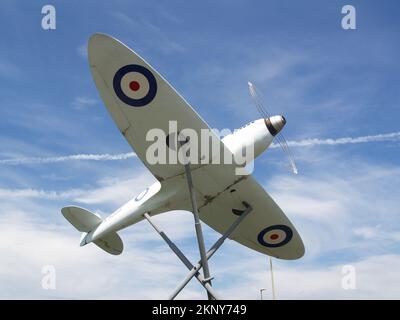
(275, 124)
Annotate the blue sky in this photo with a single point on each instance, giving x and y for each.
(329, 83)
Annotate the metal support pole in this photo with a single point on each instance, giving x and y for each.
(272, 279)
(197, 225)
(183, 258)
(212, 250)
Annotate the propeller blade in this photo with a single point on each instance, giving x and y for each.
(257, 100)
(262, 110)
(282, 142)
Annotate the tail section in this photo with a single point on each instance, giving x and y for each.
(83, 220)
(111, 243)
(86, 221)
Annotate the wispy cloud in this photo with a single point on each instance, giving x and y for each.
(74, 157)
(154, 34)
(108, 191)
(58, 245)
(40, 194)
(115, 191)
(376, 233)
(316, 282)
(81, 103)
(326, 205)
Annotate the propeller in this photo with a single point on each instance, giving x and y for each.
(256, 97)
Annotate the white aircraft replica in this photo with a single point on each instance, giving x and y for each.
(139, 99)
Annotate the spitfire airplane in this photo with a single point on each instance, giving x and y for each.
(139, 99)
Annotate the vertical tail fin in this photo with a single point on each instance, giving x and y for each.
(86, 221)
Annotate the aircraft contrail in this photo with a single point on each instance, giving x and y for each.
(394, 136)
(74, 157)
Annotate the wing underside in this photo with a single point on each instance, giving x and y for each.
(220, 196)
(139, 99)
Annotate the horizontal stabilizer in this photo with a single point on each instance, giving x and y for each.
(83, 220)
(110, 243)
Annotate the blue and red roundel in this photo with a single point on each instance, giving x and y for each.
(275, 236)
(135, 85)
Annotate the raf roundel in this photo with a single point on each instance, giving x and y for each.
(275, 236)
(142, 194)
(135, 85)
